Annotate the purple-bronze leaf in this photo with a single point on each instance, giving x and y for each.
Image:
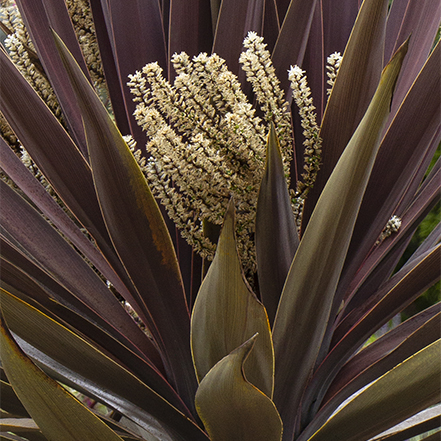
(139, 234)
(39, 17)
(276, 231)
(354, 87)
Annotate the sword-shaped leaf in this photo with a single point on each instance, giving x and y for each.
(307, 297)
(276, 232)
(354, 87)
(231, 408)
(227, 313)
(410, 387)
(58, 414)
(138, 233)
(69, 358)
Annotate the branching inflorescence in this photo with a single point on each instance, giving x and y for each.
(205, 141)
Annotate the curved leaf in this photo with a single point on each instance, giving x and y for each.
(56, 155)
(39, 17)
(410, 387)
(412, 133)
(58, 414)
(276, 231)
(376, 359)
(139, 234)
(354, 87)
(52, 254)
(231, 408)
(74, 361)
(227, 313)
(398, 292)
(310, 286)
(27, 183)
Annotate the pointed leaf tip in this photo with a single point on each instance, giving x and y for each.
(58, 414)
(231, 408)
(227, 313)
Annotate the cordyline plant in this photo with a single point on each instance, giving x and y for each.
(253, 331)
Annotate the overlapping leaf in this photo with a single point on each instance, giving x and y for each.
(76, 362)
(410, 387)
(354, 87)
(227, 313)
(310, 286)
(231, 408)
(59, 415)
(138, 233)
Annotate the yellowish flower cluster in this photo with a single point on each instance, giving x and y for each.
(206, 143)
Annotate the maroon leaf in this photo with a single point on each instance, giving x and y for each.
(235, 20)
(52, 254)
(137, 37)
(276, 231)
(397, 293)
(354, 87)
(21, 176)
(109, 64)
(39, 17)
(421, 20)
(424, 201)
(56, 156)
(291, 43)
(375, 360)
(413, 135)
(185, 17)
(139, 234)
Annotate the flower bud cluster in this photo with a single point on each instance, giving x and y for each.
(311, 131)
(332, 66)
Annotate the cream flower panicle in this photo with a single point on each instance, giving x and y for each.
(311, 132)
(205, 142)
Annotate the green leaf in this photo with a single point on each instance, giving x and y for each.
(138, 233)
(276, 232)
(307, 297)
(58, 414)
(231, 408)
(410, 387)
(227, 313)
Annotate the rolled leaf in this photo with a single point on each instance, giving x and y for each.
(410, 387)
(227, 313)
(307, 297)
(58, 414)
(231, 408)
(276, 231)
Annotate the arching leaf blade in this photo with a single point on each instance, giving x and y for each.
(231, 408)
(58, 414)
(139, 234)
(227, 313)
(310, 286)
(76, 362)
(354, 88)
(410, 387)
(276, 232)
